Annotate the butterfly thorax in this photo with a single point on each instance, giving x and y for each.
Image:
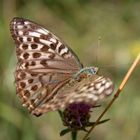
(84, 72)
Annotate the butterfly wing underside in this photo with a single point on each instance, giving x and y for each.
(44, 65)
(90, 90)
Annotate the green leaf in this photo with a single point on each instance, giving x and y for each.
(60, 114)
(65, 131)
(92, 123)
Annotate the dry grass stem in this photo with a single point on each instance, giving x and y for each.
(124, 81)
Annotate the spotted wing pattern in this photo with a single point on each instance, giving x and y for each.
(44, 65)
(90, 90)
(45, 68)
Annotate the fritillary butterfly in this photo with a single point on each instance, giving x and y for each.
(49, 75)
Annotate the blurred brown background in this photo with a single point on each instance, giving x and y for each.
(80, 23)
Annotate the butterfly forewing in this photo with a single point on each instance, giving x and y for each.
(44, 62)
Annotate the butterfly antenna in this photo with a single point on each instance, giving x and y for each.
(97, 50)
(114, 66)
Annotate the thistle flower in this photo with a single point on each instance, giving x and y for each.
(76, 116)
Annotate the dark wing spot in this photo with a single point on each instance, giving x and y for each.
(61, 48)
(36, 39)
(65, 54)
(34, 74)
(43, 62)
(36, 55)
(29, 39)
(42, 36)
(45, 37)
(25, 55)
(27, 93)
(32, 102)
(19, 21)
(53, 46)
(33, 63)
(20, 39)
(24, 46)
(34, 46)
(16, 32)
(52, 55)
(22, 84)
(22, 75)
(34, 88)
(26, 64)
(30, 81)
(37, 115)
(45, 48)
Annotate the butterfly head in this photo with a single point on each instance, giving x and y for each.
(86, 71)
(91, 70)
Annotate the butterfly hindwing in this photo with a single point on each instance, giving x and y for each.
(90, 90)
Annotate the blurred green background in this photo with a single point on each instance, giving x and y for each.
(80, 23)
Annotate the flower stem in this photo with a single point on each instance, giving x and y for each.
(127, 76)
(74, 135)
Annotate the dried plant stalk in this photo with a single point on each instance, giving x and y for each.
(124, 81)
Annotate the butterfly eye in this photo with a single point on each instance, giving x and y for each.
(95, 70)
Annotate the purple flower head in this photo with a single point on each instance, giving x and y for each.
(76, 116)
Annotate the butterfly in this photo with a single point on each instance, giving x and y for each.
(49, 76)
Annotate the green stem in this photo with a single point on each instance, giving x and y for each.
(74, 135)
(60, 114)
